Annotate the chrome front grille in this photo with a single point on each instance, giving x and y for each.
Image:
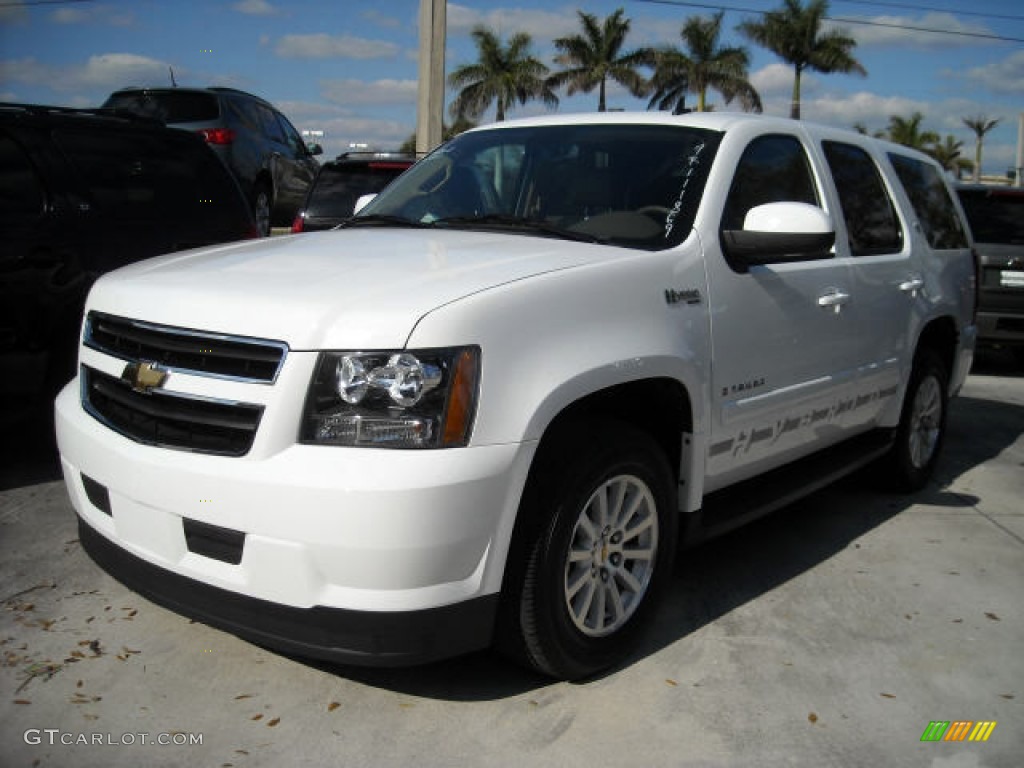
(201, 353)
(146, 412)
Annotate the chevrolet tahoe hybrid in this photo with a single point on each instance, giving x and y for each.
(487, 409)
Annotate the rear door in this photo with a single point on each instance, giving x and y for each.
(888, 282)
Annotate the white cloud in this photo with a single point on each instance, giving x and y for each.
(909, 32)
(777, 79)
(378, 18)
(98, 14)
(323, 46)
(14, 12)
(863, 107)
(1004, 77)
(102, 73)
(540, 25)
(255, 8)
(350, 92)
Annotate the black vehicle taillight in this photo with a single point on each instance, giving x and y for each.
(298, 223)
(217, 135)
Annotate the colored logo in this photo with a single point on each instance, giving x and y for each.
(143, 377)
(958, 730)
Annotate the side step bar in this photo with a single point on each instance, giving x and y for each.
(732, 507)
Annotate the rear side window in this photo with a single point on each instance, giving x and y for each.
(21, 192)
(995, 215)
(773, 169)
(168, 106)
(931, 201)
(871, 223)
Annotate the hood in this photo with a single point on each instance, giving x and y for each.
(342, 289)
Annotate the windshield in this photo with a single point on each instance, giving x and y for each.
(630, 185)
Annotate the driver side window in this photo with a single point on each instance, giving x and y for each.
(773, 169)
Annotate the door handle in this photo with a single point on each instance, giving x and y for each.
(834, 300)
(912, 285)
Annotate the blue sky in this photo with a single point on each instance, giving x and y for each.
(349, 68)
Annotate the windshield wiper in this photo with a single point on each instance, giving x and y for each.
(509, 223)
(382, 219)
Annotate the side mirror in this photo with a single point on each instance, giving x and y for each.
(362, 202)
(780, 232)
(315, 149)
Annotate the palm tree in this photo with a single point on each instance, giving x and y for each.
(794, 34)
(703, 66)
(909, 133)
(981, 125)
(505, 75)
(596, 56)
(947, 152)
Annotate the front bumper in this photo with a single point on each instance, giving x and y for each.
(348, 637)
(1004, 328)
(355, 555)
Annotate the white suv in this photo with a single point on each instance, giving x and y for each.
(486, 409)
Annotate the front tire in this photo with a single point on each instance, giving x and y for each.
(601, 552)
(922, 427)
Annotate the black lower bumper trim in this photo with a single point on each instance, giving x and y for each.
(362, 638)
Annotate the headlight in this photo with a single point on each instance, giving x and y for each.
(393, 399)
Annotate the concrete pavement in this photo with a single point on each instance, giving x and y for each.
(830, 634)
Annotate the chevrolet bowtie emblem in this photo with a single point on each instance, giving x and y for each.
(143, 377)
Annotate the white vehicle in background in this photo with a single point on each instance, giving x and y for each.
(486, 409)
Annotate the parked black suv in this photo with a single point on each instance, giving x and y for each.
(996, 218)
(81, 194)
(266, 154)
(341, 182)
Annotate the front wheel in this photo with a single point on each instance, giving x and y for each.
(922, 427)
(602, 550)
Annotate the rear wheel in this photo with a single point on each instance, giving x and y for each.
(261, 207)
(922, 427)
(601, 550)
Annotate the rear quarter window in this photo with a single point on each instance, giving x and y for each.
(152, 176)
(168, 106)
(931, 201)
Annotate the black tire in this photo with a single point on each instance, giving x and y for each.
(922, 427)
(261, 201)
(559, 628)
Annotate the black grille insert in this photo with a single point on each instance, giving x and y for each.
(171, 420)
(233, 357)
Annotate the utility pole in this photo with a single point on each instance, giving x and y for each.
(430, 101)
(1020, 151)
